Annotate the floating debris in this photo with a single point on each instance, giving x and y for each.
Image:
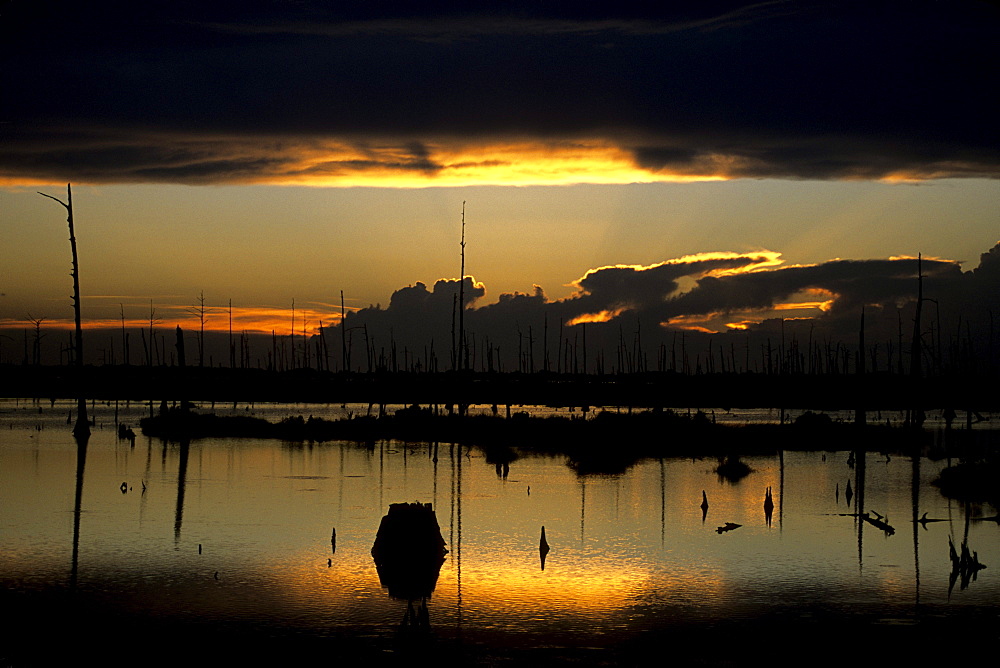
(878, 523)
(729, 526)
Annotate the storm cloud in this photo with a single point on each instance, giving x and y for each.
(260, 91)
(649, 306)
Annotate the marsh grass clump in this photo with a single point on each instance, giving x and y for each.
(974, 481)
(732, 468)
(810, 419)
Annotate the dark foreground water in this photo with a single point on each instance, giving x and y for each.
(220, 550)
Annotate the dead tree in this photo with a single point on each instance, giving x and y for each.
(125, 351)
(200, 311)
(82, 427)
(232, 346)
(916, 345)
(36, 345)
(462, 360)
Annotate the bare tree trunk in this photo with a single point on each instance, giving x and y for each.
(82, 428)
(232, 345)
(121, 308)
(343, 333)
(461, 301)
(915, 346)
(860, 417)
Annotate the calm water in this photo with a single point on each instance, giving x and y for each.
(238, 531)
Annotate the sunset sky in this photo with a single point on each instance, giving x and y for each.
(271, 152)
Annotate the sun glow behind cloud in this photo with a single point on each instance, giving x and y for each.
(603, 316)
(755, 261)
(694, 323)
(798, 307)
(382, 163)
(443, 163)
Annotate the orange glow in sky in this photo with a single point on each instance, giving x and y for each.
(602, 316)
(263, 320)
(758, 260)
(761, 260)
(794, 306)
(450, 163)
(447, 163)
(693, 323)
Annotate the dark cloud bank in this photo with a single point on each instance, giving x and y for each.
(525, 331)
(214, 92)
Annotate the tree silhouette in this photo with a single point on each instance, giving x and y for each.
(82, 427)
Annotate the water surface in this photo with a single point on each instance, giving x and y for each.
(236, 533)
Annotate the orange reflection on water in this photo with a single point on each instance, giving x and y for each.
(498, 586)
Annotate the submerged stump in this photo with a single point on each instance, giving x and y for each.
(409, 550)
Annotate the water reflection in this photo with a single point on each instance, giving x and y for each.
(182, 465)
(82, 439)
(289, 529)
(768, 506)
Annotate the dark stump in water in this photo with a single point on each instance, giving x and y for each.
(409, 550)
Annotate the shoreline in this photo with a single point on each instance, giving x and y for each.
(631, 437)
(869, 392)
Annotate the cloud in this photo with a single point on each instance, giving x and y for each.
(854, 282)
(206, 92)
(648, 306)
(639, 287)
(710, 301)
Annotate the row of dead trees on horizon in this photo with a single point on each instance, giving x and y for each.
(684, 353)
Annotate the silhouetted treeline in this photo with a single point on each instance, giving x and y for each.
(651, 389)
(922, 318)
(624, 346)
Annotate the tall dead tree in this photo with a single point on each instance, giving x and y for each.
(343, 334)
(232, 346)
(82, 427)
(462, 362)
(915, 346)
(125, 351)
(860, 416)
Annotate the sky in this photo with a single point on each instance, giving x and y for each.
(265, 154)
